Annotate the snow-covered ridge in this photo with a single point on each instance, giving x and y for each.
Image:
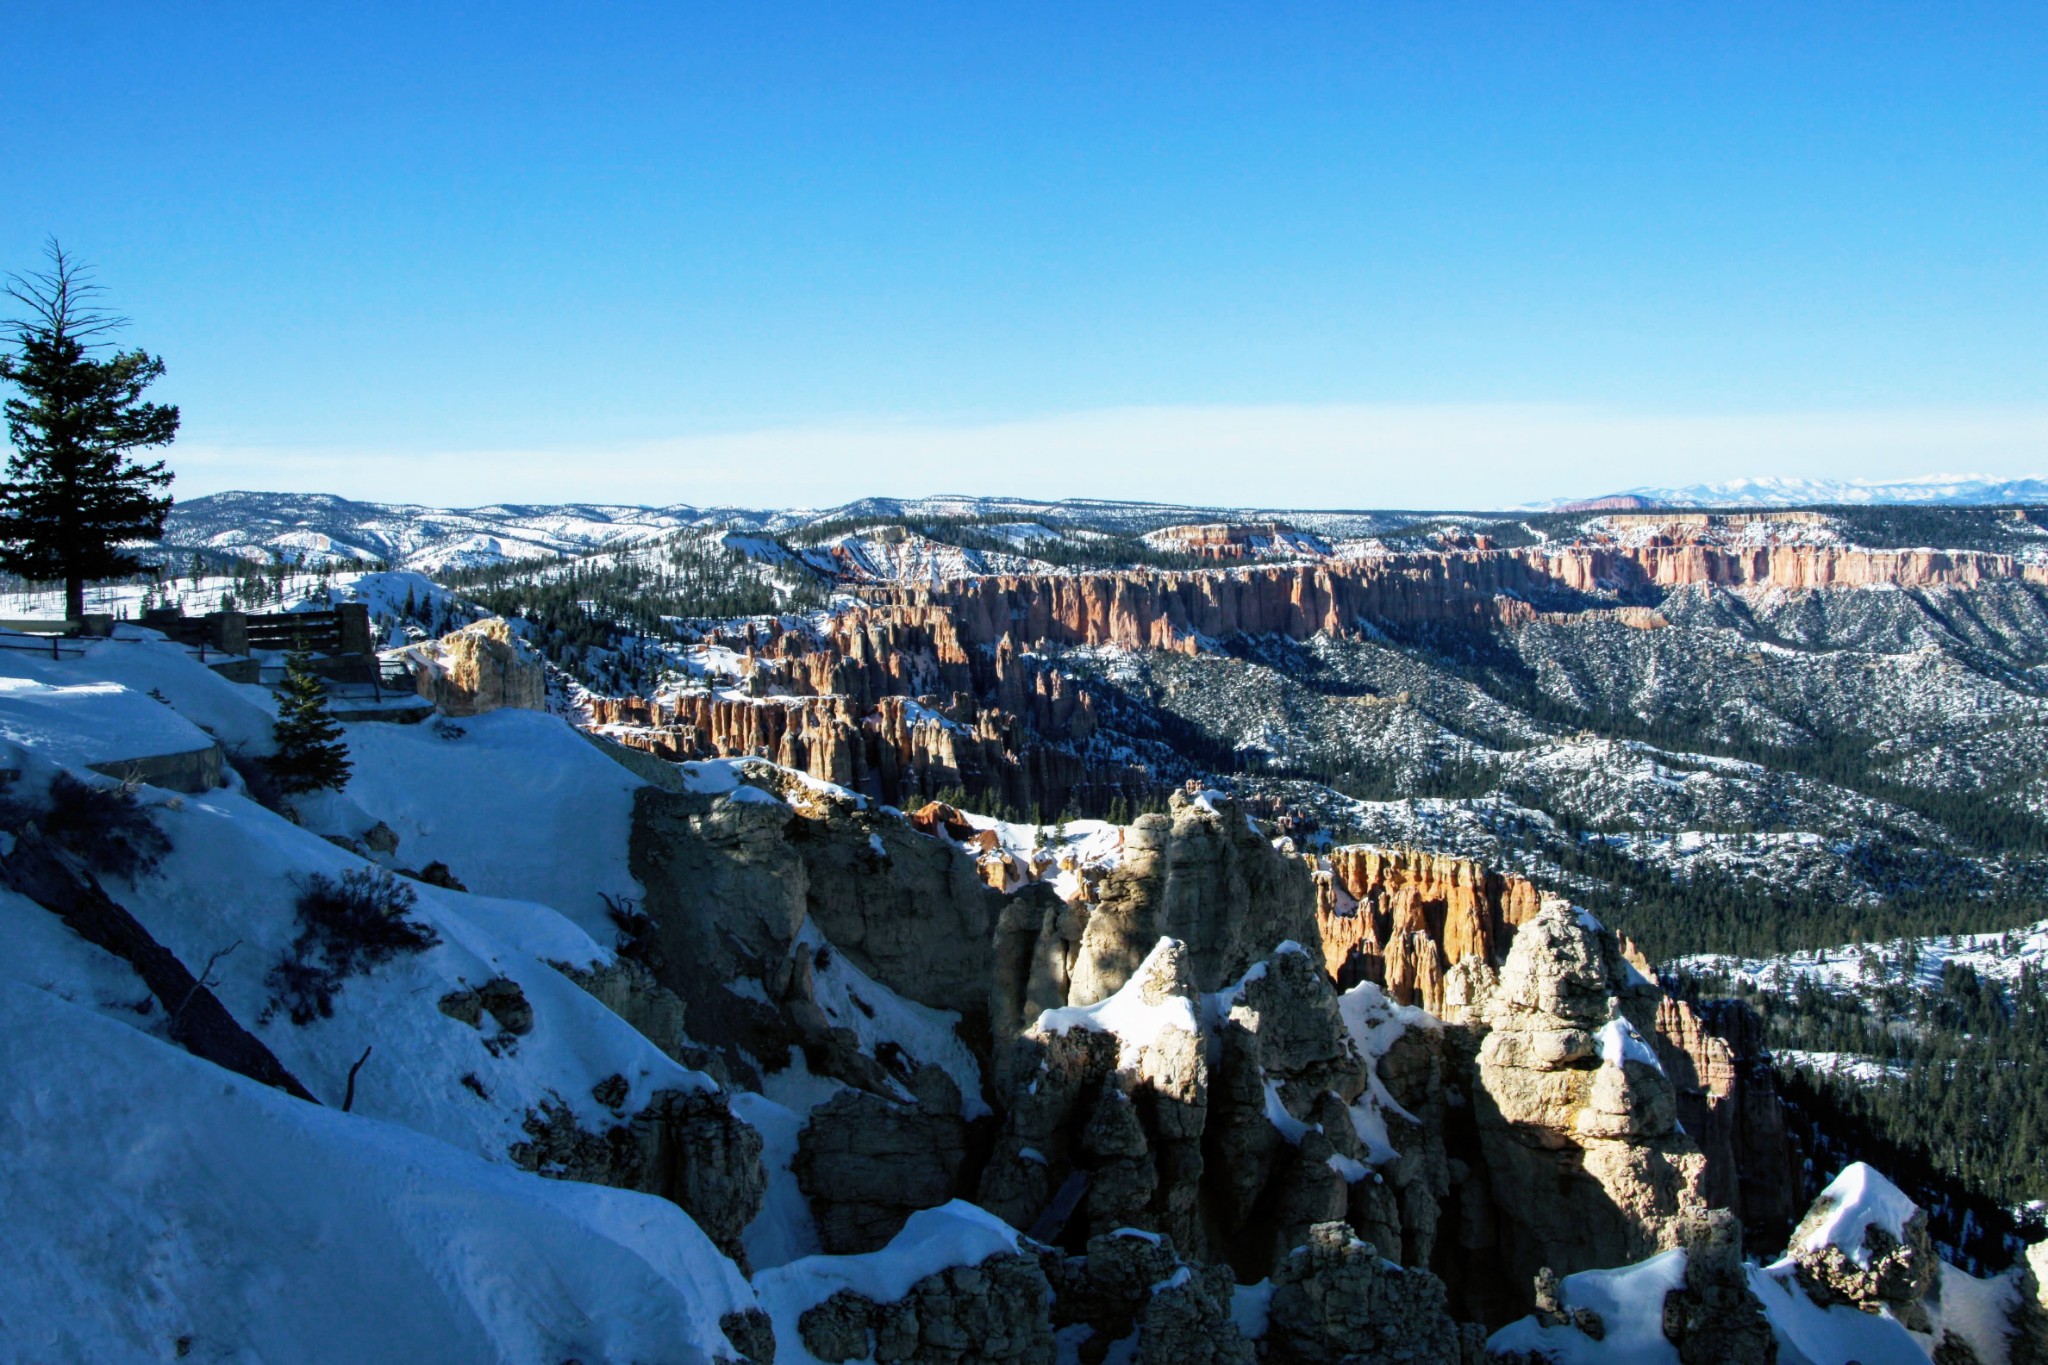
(1952, 490)
(327, 528)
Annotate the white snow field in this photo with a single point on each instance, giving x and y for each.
(159, 1207)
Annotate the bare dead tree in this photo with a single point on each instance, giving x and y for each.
(348, 1098)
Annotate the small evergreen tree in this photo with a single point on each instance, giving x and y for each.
(310, 754)
(73, 500)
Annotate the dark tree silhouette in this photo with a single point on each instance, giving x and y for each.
(73, 499)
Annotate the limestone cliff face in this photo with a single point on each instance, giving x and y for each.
(1140, 609)
(866, 709)
(479, 668)
(1679, 560)
(1153, 610)
(1401, 917)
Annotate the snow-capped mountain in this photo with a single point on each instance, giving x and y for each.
(1933, 490)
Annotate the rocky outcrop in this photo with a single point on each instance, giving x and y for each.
(725, 897)
(1862, 1246)
(1169, 1051)
(1577, 1120)
(628, 989)
(1118, 1123)
(1865, 1245)
(1131, 1283)
(1336, 1299)
(731, 881)
(480, 668)
(1200, 874)
(686, 1146)
(1231, 1122)
(1713, 1318)
(500, 998)
(866, 1163)
(992, 1313)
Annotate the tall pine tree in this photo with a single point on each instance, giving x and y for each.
(73, 499)
(310, 753)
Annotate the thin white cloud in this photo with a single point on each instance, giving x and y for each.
(1351, 455)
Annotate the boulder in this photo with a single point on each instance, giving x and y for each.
(479, 668)
(1865, 1244)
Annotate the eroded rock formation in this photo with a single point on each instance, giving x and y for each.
(1168, 1050)
(1577, 1120)
(996, 1312)
(899, 748)
(1401, 917)
(480, 668)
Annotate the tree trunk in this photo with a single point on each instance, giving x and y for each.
(74, 597)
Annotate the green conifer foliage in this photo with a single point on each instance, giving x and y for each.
(310, 753)
(72, 501)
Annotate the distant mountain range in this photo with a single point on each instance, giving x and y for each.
(1946, 490)
(322, 527)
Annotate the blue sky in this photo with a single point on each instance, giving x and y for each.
(1331, 255)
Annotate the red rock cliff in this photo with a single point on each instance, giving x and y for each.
(1401, 917)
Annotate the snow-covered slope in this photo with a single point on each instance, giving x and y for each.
(1852, 969)
(158, 1207)
(323, 527)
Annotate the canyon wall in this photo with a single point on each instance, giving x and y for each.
(898, 750)
(926, 688)
(1137, 609)
(1664, 563)
(1168, 610)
